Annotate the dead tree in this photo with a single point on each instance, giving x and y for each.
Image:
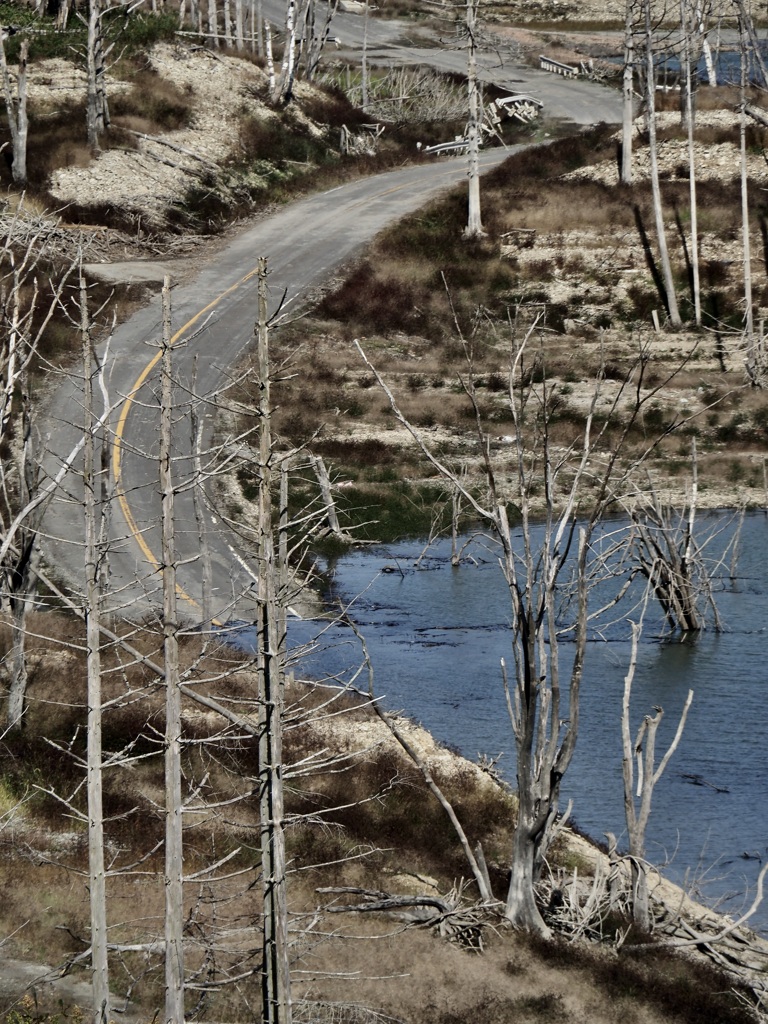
(474, 228)
(702, 12)
(628, 94)
(94, 553)
(97, 108)
(661, 234)
(535, 569)
(640, 787)
(281, 86)
(665, 551)
(16, 111)
(174, 888)
(752, 358)
(688, 122)
(276, 987)
(315, 36)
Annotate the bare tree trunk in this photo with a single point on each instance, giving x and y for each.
(749, 330)
(97, 111)
(709, 63)
(521, 909)
(17, 657)
(22, 571)
(364, 59)
(97, 877)
(628, 96)
(206, 572)
(259, 25)
(16, 110)
(687, 83)
(239, 25)
(316, 41)
(213, 24)
(270, 59)
(543, 753)
(174, 894)
(666, 268)
(283, 89)
(689, 123)
(324, 482)
(474, 228)
(227, 25)
(62, 16)
(276, 988)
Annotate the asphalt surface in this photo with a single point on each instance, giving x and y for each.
(304, 244)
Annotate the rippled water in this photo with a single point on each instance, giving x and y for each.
(436, 635)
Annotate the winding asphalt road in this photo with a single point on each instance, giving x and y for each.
(213, 318)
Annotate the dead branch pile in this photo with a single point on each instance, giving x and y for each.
(68, 243)
(451, 918)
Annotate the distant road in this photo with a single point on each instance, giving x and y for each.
(305, 243)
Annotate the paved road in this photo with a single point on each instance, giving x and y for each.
(213, 316)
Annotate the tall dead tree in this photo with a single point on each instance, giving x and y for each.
(97, 109)
(474, 228)
(276, 985)
(16, 111)
(751, 359)
(174, 887)
(281, 86)
(101, 1012)
(661, 234)
(702, 12)
(687, 28)
(628, 94)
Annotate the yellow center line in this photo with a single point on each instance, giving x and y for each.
(119, 436)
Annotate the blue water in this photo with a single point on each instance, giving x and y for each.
(436, 635)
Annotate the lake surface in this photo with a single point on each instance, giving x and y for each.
(436, 635)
